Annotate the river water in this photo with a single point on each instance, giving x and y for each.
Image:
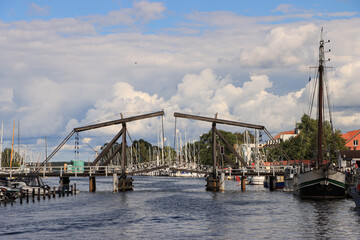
(178, 208)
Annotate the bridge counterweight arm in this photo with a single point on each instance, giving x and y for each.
(220, 121)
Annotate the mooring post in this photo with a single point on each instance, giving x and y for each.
(222, 181)
(74, 188)
(115, 181)
(92, 184)
(243, 179)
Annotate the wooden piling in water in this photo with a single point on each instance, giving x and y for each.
(92, 184)
(212, 184)
(243, 185)
(125, 184)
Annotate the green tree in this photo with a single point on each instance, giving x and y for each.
(6, 158)
(206, 145)
(304, 145)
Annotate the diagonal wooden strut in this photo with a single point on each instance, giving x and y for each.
(112, 155)
(230, 148)
(277, 145)
(107, 148)
(229, 160)
(58, 148)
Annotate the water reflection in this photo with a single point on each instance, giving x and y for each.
(177, 208)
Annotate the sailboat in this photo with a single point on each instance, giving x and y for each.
(322, 181)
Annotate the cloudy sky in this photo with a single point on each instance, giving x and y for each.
(66, 64)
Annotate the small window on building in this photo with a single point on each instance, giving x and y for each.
(356, 142)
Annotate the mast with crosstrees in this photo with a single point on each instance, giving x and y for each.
(319, 159)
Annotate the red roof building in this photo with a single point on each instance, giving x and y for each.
(286, 135)
(352, 139)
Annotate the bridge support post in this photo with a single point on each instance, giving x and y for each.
(213, 184)
(64, 183)
(92, 184)
(272, 183)
(125, 184)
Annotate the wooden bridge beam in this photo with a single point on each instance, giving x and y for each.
(214, 149)
(123, 158)
(107, 148)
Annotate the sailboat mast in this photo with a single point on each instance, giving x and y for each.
(320, 102)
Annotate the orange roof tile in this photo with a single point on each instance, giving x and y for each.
(283, 133)
(347, 136)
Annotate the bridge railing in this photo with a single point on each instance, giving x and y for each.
(106, 170)
(61, 170)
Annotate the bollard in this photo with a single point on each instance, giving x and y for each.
(222, 182)
(243, 183)
(21, 197)
(92, 184)
(27, 195)
(115, 183)
(74, 188)
(38, 197)
(33, 194)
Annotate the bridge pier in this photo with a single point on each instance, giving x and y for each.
(64, 183)
(213, 184)
(125, 184)
(272, 183)
(92, 184)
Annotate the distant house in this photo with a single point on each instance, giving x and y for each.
(349, 158)
(352, 139)
(283, 136)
